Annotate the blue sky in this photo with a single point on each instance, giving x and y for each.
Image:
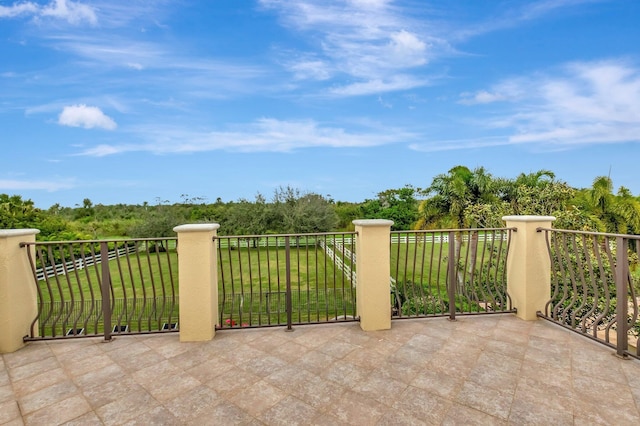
(134, 101)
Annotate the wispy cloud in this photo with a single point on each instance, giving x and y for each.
(579, 103)
(66, 10)
(456, 144)
(513, 16)
(18, 9)
(368, 42)
(46, 185)
(263, 135)
(85, 116)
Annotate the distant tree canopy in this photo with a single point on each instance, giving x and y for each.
(460, 198)
(399, 205)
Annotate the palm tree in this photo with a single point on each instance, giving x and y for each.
(628, 207)
(451, 196)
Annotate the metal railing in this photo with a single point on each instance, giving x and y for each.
(73, 279)
(595, 286)
(449, 272)
(276, 280)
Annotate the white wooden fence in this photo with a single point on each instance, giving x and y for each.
(80, 263)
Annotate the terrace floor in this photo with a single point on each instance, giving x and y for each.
(477, 370)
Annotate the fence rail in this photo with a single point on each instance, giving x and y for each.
(449, 272)
(138, 277)
(51, 271)
(595, 285)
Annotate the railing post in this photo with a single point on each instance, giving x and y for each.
(287, 296)
(105, 289)
(622, 297)
(528, 265)
(451, 276)
(197, 281)
(18, 293)
(373, 266)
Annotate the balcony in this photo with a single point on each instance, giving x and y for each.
(493, 369)
(494, 364)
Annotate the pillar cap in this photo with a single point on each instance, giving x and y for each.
(4, 233)
(197, 227)
(372, 222)
(525, 218)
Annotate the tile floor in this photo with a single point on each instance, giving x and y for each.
(477, 370)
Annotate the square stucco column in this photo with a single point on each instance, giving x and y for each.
(373, 266)
(197, 281)
(528, 265)
(18, 294)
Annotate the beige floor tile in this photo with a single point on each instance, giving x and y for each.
(9, 411)
(379, 388)
(314, 361)
(225, 413)
(47, 396)
(168, 387)
(60, 412)
(34, 383)
(490, 401)
(125, 408)
(30, 353)
(34, 368)
(257, 398)
(438, 382)
(289, 411)
(157, 416)
(462, 415)
(193, 403)
(317, 392)
(356, 409)
(232, 381)
(345, 373)
(423, 405)
(108, 392)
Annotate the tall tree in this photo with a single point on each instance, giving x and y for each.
(399, 205)
(450, 194)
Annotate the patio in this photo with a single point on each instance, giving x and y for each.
(492, 369)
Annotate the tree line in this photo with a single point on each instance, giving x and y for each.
(460, 198)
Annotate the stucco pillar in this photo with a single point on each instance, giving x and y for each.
(18, 294)
(197, 281)
(373, 266)
(528, 265)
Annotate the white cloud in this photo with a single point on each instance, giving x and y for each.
(514, 15)
(367, 42)
(581, 103)
(104, 150)
(368, 4)
(25, 185)
(72, 12)
(135, 66)
(455, 144)
(68, 10)
(310, 69)
(407, 49)
(395, 83)
(85, 116)
(17, 9)
(263, 135)
(481, 97)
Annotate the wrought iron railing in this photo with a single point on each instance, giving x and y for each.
(449, 272)
(595, 286)
(73, 279)
(271, 280)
